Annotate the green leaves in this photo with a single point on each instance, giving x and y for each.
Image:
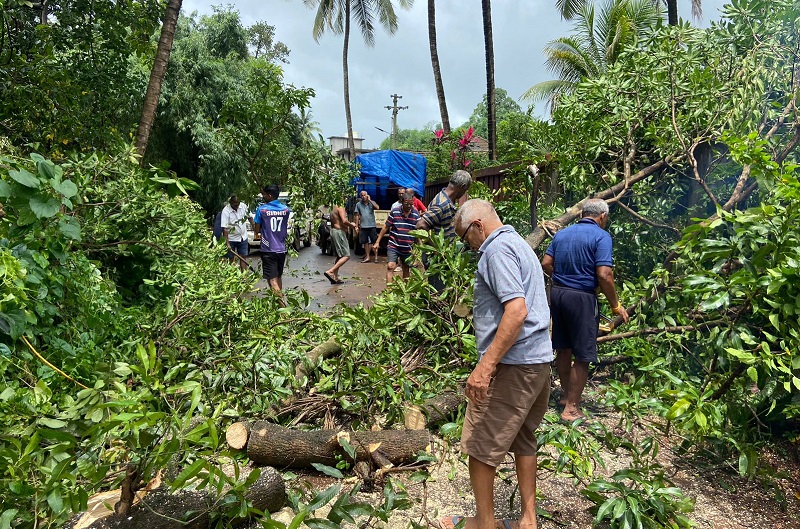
(25, 178)
(640, 496)
(44, 208)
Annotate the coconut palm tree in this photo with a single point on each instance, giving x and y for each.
(595, 43)
(336, 16)
(486, 8)
(157, 75)
(437, 73)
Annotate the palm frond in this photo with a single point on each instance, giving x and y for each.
(569, 8)
(697, 9)
(362, 13)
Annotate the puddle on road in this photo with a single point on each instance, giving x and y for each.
(304, 271)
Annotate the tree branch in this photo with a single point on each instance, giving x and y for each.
(656, 330)
(548, 228)
(647, 221)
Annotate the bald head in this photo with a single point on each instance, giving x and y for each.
(475, 209)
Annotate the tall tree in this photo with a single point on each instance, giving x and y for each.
(597, 39)
(336, 16)
(486, 8)
(437, 73)
(157, 75)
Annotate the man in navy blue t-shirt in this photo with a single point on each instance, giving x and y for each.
(578, 261)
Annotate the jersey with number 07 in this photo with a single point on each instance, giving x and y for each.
(273, 218)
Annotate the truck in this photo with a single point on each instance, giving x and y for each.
(381, 173)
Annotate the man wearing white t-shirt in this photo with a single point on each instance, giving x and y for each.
(234, 230)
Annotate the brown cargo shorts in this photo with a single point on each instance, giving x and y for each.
(507, 420)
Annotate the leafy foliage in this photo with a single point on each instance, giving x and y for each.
(640, 496)
(125, 340)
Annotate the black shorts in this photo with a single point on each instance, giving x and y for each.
(575, 319)
(367, 235)
(272, 264)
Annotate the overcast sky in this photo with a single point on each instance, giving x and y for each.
(401, 64)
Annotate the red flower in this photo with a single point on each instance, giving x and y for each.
(439, 133)
(466, 137)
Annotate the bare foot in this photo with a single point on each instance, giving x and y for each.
(455, 522)
(572, 415)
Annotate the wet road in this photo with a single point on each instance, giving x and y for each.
(304, 271)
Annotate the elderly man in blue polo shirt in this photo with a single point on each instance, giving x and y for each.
(509, 388)
(578, 261)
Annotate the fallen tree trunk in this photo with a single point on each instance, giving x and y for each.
(236, 435)
(433, 411)
(189, 509)
(270, 444)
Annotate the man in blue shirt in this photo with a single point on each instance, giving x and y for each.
(509, 388)
(579, 261)
(271, 221)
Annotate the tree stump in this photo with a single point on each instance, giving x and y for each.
(274, 445)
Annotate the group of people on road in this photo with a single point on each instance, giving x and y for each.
(516, 326)
(407, 214)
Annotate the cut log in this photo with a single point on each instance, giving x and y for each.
(188, 509)
(270, 444)
(236, 435)
(433, 411)
(322, 351)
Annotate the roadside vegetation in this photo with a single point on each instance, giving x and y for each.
(128, 346)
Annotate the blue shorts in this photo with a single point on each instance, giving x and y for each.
(393, 256)
(240, 247)
(575, 319)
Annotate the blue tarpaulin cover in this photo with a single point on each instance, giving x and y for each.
(381, 169)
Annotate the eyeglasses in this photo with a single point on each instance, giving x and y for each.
(464, 235)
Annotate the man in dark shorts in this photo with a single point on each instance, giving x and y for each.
(341, 248)
(367, 228)
(509, 389)
(270, 222)
(578, 261)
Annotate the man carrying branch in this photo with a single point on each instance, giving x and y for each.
(579, 261)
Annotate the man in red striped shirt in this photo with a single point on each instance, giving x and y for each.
(398, 224)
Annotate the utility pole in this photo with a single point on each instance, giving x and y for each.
(394, 108)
